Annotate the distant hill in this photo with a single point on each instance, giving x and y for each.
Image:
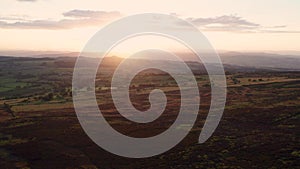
(232, 61)
(262, 60)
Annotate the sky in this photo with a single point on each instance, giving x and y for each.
(231, 25)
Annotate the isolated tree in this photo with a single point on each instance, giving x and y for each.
(8, 107)
(48, 97)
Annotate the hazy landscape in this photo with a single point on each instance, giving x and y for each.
(259, 128)
(134, 84)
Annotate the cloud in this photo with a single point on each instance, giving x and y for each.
(224, 23)
(13, 18)
(278, 31)
(90, 14)
(72, 19)
(83, 18)
(226, 20)
(233, 23)
(279, 26)
(26, 0)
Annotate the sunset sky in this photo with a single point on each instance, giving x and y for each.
(252, 25)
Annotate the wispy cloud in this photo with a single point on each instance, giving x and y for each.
(226, 20)
(89, 14)
(14, 18)
(233, 23)
(84, 18)
(72, 19)
(27, 0)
